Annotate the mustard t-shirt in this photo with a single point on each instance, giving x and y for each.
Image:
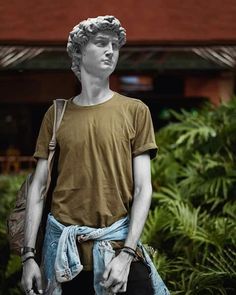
(97, 144)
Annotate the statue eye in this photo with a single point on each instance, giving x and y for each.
(101, 43)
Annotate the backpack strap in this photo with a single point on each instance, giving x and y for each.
(59, 110)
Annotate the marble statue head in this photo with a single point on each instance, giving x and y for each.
(81, 33)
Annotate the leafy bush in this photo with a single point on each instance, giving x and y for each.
(192, 221)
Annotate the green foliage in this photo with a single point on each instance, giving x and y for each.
(193, 218)
(10, 265)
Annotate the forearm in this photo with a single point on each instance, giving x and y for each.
(138, 216)
(33, 216)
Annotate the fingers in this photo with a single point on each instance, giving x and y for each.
(31, 279)
(123, 287)
(38, 281)
(115, 283)
(106, 273)
(117, 287)
(120, 287)
(31, 291)
(109, 282)
(27, 286)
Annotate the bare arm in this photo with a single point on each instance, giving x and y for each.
(34, 206)
(142, 198)
(116, 274)
(31, 272)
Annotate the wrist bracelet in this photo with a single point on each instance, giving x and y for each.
(128, 251)
(29, 257)
(26, 255)
(25, 250)
(127, 247)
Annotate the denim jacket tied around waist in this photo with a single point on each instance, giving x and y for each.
(61, 260)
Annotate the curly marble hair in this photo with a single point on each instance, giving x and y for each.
(81, 33)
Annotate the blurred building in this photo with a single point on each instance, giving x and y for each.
(178, 54)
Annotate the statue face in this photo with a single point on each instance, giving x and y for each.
(100, 54)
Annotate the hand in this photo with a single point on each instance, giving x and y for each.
(116, 274)
(31, 278)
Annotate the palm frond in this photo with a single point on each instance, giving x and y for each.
(194, 210)
(158, 220)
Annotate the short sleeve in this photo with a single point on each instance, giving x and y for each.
(144, 139)
(45, 135)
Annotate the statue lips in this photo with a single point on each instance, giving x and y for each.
(107, 60)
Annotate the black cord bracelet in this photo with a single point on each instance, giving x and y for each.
(27, 259)
(128, 251)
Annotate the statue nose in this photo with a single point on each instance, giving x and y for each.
(109, 48)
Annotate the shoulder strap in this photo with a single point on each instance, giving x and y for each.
(59, 110)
